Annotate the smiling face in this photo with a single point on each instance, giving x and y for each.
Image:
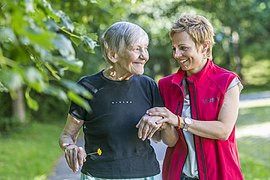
(131, 60)
(190, 57)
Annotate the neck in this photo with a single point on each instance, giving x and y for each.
(112, 74)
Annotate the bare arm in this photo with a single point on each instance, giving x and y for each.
(222, 128)
(75, 156)
(70, 132)
(169, 135)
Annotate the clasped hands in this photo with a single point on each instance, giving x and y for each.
(155, 119)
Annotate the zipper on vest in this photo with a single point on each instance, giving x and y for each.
(200, 139)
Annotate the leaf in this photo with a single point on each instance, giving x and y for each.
(11, 79)
(57, 92)
(30, 102)
(3, 88)
(64, 46)
(54, 73)
(65, 21)
(7, 35)
(29, 7)
(89, 44)
(77, 88)
(74, 65)
(34, 79)
(78, 100)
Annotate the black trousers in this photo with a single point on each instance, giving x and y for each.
(184, 177)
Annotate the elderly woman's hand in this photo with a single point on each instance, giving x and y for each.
(75, 157)
(147, 126)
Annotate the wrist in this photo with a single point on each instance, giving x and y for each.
(66, 145)
(180, 123)
(187, 122)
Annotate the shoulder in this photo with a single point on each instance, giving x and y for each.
(221, 77)
(221, 73)
(91, 82)
(166, 79)
(88, 78)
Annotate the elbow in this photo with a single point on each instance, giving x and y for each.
(223, 134)
(169, 144)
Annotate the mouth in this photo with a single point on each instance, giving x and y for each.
(183, 61)
(138, 63)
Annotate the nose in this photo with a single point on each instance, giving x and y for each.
(144, 55)
(178, 53)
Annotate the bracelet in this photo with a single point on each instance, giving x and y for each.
(179, 122)
(66, 145)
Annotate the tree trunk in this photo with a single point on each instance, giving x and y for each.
(237, 56)
(18, 106)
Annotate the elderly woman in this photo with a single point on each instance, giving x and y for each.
(121, 96)
(201, 102)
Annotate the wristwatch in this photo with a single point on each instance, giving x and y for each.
(187, 123)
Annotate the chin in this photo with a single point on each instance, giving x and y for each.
(138, 71)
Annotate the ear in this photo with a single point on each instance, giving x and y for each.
(113, 57)
(205, 46)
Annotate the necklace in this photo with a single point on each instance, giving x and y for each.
(112, 75)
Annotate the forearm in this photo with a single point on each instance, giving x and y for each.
(70, 132)
(210, 129)
(169, 136)
(157, 136)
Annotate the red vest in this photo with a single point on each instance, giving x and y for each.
(216, 159)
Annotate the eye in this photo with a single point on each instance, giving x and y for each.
(173, 48)
(183, 48)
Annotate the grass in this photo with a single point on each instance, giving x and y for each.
(30, 153)
(254, 151)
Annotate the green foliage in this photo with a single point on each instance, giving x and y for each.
(36, 49)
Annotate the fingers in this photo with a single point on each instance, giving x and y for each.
(153, 131)
(140, 126)
(157, 111)
(81, 156)
(71, 155)
(148, 126)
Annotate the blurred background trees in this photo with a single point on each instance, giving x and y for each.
(46, 46)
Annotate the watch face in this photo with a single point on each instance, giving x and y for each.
(188, 121)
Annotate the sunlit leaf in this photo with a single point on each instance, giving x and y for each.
(33, 104)
(89, 44)
(64, 46)
(11, 79)
(54, 72)
(76, 88)
(78, 100)
(74, 66)
(34, 79)
(29, 7)
(65, 21)
(7, 35)
(3, 88)
(57, 92)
